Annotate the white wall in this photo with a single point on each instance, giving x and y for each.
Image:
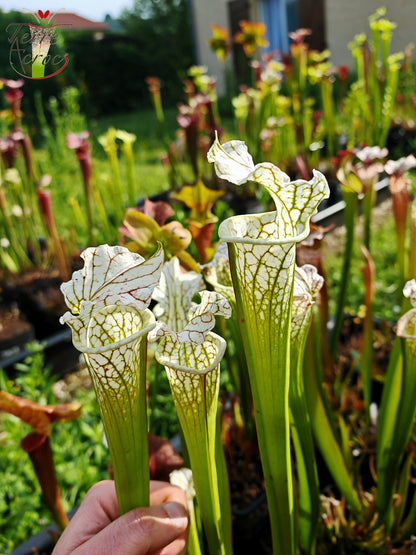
(347, 18)
(205, 12)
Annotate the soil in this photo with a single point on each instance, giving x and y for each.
(38, 299)
(248, 497)
(30, 308)
(15, 331)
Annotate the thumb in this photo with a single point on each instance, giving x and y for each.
(142, 531)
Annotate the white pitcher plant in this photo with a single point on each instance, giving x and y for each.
(110, 320)
(42, 37)
(191, 355)
(262, 258)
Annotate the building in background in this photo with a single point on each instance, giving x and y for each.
(76, 22)
(334, 23)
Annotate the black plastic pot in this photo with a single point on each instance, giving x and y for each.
(60, 355)
(42, 543)
(334, 214)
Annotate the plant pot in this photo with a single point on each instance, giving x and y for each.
(334, 213)
(60, 354)
(42, 543)
(38, 297)
(15, 333)
(30, 308)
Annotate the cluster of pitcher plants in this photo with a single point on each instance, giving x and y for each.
(254, 299)
(273, 307)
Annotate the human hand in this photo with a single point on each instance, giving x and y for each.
(98, 529)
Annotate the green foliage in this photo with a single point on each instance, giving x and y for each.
(80, 457)
(7, 19)
(386, 281)
(164, 23)
(112, 75)
(372, 99)
(56, 117)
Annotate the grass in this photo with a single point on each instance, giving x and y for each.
(142, 123)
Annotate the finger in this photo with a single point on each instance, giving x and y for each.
(142, 531)
(163, 492)
(98, 509)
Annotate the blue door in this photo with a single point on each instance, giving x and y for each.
(280, 18)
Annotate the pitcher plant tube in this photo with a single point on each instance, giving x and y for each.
(306, 287)
(262, 259)
(217, 274)
(400, 186)
(191, 355)
(358, 171)
(82, 147)
(108, 300)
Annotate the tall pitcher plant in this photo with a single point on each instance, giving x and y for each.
(108, 300)
(191, 354)
(262, 259)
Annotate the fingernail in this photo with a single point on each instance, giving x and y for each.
(178, 515)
